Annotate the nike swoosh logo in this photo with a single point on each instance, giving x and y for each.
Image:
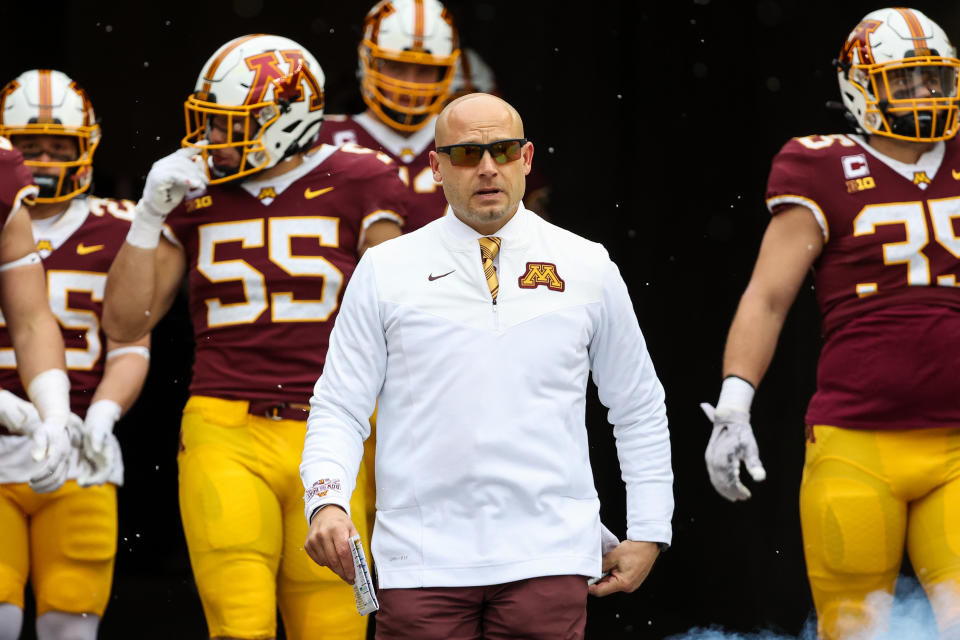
(83, 249)
(955, 173)
(432, 277)
(310, 195)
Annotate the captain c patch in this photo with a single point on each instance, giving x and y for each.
(541, 273)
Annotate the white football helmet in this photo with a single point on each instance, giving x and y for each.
(48, 102)
(472, 75)
(269, 92)
(898, 76)
(407, 31)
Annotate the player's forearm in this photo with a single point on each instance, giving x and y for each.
(752, 339)
(379, 231)
(38, 345)
(124, 373)
(34, 331)
(129, 305)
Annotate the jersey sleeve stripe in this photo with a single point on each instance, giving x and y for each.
(776, 201)
(26, 193)
(376, 216)
(168, 233)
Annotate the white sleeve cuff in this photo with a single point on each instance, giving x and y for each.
(736, 395)
(49, 391)
(324, 492)
(105, 409)
(145, 228)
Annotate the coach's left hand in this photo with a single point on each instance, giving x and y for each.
(628, 564)
(328, 541)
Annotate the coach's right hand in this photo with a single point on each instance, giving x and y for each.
(328, 541)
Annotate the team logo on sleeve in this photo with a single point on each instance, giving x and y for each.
(857, 172)
(541, 273)
(322, 487)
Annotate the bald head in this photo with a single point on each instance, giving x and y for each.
(476, 111)
(485, 194)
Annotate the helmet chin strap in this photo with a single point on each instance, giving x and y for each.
(46, 185)
(219, 172)
(397, 116)
(920, 127)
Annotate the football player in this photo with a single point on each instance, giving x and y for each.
(874, 214)
(268, 227)
(36, 341)
(407, 63)
(66, 540)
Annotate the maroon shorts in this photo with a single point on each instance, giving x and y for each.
(548, 608)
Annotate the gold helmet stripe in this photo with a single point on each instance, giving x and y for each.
(212, 69)
(418, 26)
(916, 31)
(44, 96)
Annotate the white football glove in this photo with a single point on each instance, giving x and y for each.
(18, 415)
(49, 391)
(51, 439)
(98, 448)
(169, 179)
(167, 183)
(732, 440)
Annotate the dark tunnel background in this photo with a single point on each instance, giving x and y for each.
(655, 124)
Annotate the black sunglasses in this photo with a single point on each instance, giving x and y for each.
(469, 154)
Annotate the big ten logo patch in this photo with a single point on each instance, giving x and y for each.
(198, 203)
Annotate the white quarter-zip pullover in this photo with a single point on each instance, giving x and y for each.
(483, 472)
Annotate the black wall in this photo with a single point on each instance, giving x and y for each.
(655, 123)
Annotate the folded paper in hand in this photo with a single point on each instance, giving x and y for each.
(363, 590)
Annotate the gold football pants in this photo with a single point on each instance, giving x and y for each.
(866, 494)
(241, 501)
(65, 540)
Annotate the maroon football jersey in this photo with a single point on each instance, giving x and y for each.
(412, 156)
(886, 280)
(15, 181)
(77, 251)
(268, 263)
